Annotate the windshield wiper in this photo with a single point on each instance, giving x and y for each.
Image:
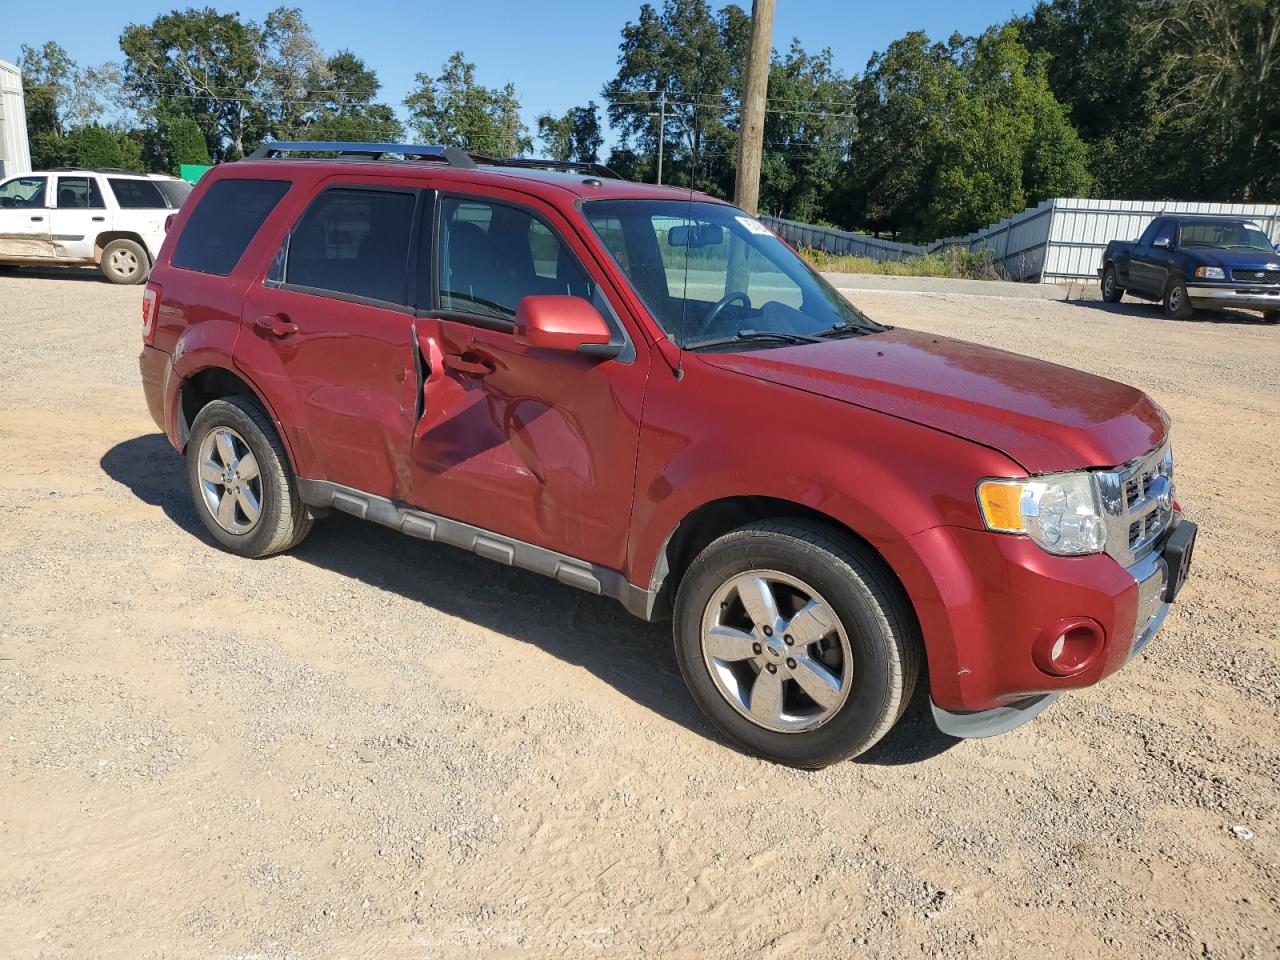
(750, 335)
(849, 329)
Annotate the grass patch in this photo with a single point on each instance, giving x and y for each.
(955, 264)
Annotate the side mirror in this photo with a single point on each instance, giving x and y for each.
(1163, 243)
(1278, 248)
(564, 323)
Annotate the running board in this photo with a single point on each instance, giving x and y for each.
(483, 543)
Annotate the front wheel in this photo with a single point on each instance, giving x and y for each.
(1112, 292)
(796, 642)
(241, 483)
(1177, 305)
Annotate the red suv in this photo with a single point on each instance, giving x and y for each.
(645, 394)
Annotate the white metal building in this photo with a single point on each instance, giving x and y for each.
(15, 151)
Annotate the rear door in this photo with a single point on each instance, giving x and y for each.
(537, 445)
(24, 218)
(79, 214)
(328, 334)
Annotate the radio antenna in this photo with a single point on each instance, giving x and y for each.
(688, 244)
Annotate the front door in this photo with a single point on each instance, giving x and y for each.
(537, 445)
(24, 219)
(1147, 263)
(76, 217)
(329, 336)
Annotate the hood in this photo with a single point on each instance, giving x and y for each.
(1044, 416)
(1240, 259)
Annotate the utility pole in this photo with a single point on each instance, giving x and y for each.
(754, 95)
(662, 129)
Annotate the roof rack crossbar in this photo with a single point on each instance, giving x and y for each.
(566, 166)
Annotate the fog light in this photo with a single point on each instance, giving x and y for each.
(1068, 647)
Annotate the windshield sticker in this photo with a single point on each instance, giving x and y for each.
(754, 226)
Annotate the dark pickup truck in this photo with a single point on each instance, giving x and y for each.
(1189, 263)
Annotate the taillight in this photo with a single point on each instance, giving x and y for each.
(150, 307)
(168, 222)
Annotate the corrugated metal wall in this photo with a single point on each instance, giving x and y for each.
(1058, 241)
(15, 155)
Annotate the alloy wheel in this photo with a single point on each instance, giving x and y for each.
(777, 651)
(230, 480)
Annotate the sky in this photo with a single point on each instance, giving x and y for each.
(558, 54)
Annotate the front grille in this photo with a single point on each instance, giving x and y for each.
(1256, 276)
(1138, 500)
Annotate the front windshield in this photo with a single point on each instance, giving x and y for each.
(714, 277)
(1228, 234)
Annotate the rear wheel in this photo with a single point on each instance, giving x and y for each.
(1112, 292)
(1177, 305)
(124, 261)
(1271, 316)
(244, 492)
(796, 642)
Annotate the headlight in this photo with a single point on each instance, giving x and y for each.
(1210, 273)
(1061, 512)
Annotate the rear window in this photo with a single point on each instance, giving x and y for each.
(222, 224)
(354, 242)
(136, 194)
(174, 191)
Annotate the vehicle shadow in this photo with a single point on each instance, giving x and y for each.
(1152, 311)
(57, 273)
(592, 632)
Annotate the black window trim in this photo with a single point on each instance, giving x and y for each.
(421, 206)
(433, 309)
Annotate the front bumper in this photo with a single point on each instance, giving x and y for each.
(1223, 296)
(1152, 591)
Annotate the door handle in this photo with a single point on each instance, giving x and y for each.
(99, 219)
(36, 219)
(276, 325)
(461, 364)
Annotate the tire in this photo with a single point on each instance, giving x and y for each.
(1177, 305)
(871, 645)
(1112, 292)
(1271, 316)
(8, 267)
(282, 520)
(125, 262)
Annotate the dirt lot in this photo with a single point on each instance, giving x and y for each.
(381, 747)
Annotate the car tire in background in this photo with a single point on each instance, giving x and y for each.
(1112, 292)
(125, 262)
(1271, 316)
(796, 641)
(241, 483)
(1177, 305)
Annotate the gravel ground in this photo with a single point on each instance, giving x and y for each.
(377, 746)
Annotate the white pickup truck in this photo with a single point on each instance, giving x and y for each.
(114, 219)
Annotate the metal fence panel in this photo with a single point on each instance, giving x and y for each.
(1059, 241)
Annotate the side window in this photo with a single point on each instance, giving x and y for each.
(136, 194)
(1149, 235)
(23, 193)
(224, 222)
(354, 242)
(79, 193)
(493, 255)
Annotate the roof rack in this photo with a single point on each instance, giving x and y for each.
(453, 156)
(134, 173)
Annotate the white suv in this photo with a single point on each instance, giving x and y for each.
(66, 217)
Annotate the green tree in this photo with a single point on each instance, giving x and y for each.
(343, 105)
(93, 146)
(203, 65)
(573, 136)
(806, 136)
(186, 143)
(695, 58)
(454, 109)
